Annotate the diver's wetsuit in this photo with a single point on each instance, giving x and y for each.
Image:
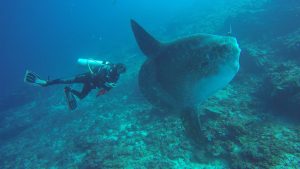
(104, 77)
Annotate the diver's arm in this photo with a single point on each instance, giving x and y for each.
(105, 88)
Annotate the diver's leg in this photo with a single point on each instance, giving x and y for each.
(82, 78)
(84, 92)
(57, 81)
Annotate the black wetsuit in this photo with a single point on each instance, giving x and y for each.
(102, 78)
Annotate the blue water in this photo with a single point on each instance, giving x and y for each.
(57, 33)
(48, 37)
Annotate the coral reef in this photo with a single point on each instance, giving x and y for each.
(289, 45)
(281, 89)
(292, 40)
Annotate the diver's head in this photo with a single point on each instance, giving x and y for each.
(121, 68)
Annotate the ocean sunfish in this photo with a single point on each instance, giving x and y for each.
(185, 72)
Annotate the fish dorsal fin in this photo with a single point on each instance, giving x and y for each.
(230, 31)
(147, 43)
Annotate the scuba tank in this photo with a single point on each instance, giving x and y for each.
(91, 63)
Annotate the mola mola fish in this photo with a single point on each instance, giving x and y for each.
(185, 72)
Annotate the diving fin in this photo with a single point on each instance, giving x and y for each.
(34, 79)
(71, 100)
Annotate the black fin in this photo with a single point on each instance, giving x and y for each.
(148, 44)
(33, 79)
(71, 100)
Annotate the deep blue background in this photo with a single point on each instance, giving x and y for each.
(48, 36)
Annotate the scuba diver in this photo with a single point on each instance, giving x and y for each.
(102, 75)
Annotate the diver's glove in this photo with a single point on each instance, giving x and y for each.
(101, 92)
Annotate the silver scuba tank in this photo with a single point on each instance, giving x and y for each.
(92, 63)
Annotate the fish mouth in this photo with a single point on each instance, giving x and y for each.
(233, 43)
(237, 52)
(234, 53)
